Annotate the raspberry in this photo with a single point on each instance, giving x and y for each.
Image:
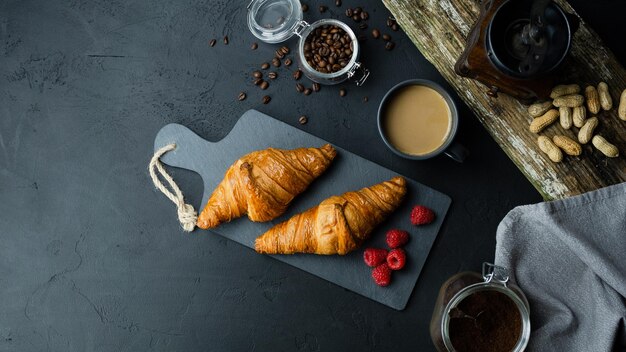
(382, 275)
(373, 257)
(420, 215)
(397, 238)
(396, 259)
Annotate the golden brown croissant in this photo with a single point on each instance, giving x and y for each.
(263, 183)
(338, 225)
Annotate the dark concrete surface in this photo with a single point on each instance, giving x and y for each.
(91, 255)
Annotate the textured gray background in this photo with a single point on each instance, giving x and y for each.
(91, 257)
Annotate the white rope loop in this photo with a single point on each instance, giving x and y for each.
(187, 215)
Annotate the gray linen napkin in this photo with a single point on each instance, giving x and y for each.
(569, 258)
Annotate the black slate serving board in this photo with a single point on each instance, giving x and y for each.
(349, 172)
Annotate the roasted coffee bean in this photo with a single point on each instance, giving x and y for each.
(265, 66)
(264, 85)
(225, 40)
(254, 46)
(386, 37)
(323, 8)
(299, 88)
(338, 3)
(257, 74)
(356, 18)
(287, 62)
(349, 12)
(375, 33)
(389, 46)
(307, 91)
(297, 74)
(257, 81)
(394, 27)
(316, 87)
(357, 10)
(342, 92)
(242, 96)
(363, 26)
(212, 42)
(365, 99)
(284, 50)
(365, 15)
(272, 75)
(279, 54)
(266, 99)
(328, 49)
(276, 62)
(305, 7)
(390, 21)
(303, 120)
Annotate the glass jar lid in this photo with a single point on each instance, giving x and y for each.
(274, 21)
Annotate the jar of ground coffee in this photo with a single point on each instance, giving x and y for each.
(483, 313)
(328, 50)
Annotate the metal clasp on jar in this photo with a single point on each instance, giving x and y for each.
(365, 73)
(495, 273)
(300, 27)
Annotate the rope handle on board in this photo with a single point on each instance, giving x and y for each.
(187, 215)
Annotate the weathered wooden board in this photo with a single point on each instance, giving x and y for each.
(439, 29)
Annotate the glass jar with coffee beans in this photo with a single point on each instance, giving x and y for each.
(328, 50)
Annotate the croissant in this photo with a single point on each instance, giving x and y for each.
(263, 183)
(338, 225)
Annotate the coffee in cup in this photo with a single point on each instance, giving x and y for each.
(417, 119)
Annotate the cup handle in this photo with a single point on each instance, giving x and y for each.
(457, 152)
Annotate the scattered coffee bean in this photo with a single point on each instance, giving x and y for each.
(299, 88)
(356, 18)
(316, 87)
(264, 85)
(287, 62)
(242, 96)
(279, 54)
(348, 12)
(254, 46)
(337, 3)
(365, 99)
(365, 15)
(257, 81)
(375, 33)
(328, 49)
(389, 46)
(394, 27)
(265, 66)
(357, 10)
(303, 120)
(305, 7)
(226, 40)
(363, 25)
(276, 62)
(342, 92)
(212, 42)
(266, 99)
(257, 74)
(323, 8)
(307, 91)
(284, 50)
(297, 74)
(272, 75)
(386, 37)
(390, 21)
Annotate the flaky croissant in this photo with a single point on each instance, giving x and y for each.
(338, 225)
(262, 184)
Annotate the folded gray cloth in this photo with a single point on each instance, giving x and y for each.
(569, 258)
